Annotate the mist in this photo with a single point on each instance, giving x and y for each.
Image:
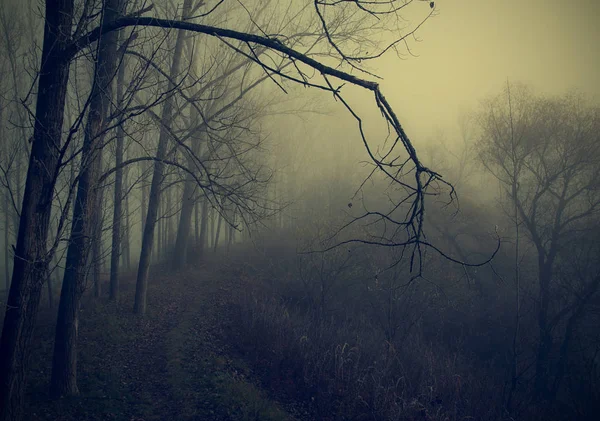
(278, 210)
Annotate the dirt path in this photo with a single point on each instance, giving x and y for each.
(170, 365)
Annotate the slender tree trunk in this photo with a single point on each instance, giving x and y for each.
(203, 227)
(115, 252)
(227, 232)
(50, 293)
(564, 351)
(7, 211)
(64, 362)
(13, 58)
(162, 217)
(212, 227)
(126, 240)
(197, 222)
(231, 232)
(216, 243)
(30, 265)
(588, 294)
(280, 214)
(159, 237)
(188, 204)
(545, 340)
(168, 221)
(53, 280)
(6, 240)
(97, 260)
(515, 345)
(157, 177)
(183, 230)
(144, 206)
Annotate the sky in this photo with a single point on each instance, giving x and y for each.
(469, 50)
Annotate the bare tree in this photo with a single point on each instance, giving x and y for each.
(31, 258)
(86, 215)
(158, 174)
(117, 230)
(546, 155)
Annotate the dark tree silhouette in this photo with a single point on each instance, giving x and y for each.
(546, 155)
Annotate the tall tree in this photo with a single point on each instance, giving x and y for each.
(158, 174)
(85, 213)
(30, 266)
(115, 253)
(546, 154)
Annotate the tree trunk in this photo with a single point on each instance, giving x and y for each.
(144, 206)
(211, 219)
(6, 240)
(159, 237)
(168, 221)
(203, 227)
(64, 363)
(231, 235)
(126, 237)
(50, 293)
(97, 261)
(588, 294)
(227, 233)
(157, 176)
(115, 252)
(188, 204)
(185, 221)
(30, 264)
(545, 340)
(7, 212)
(216, 243)
(197, 222)
(515, 344)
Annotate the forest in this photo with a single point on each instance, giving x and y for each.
(281, 210)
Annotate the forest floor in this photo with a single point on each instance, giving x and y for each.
(173, 364)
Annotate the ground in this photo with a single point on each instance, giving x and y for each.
(173, 364)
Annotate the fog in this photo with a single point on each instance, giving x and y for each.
(471, 48)
(328, 210)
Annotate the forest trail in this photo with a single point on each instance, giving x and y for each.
(173, 364)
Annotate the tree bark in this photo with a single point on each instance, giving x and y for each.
(30, 265)
(168, 221)
(158, 241)
(97, 223)
(64, 364)
(6, 239)
(7, 212)
(144, 205)
(125, 240)
(115, 252)
(157, 177)
(50, 292)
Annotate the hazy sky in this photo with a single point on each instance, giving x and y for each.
(469, 50)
